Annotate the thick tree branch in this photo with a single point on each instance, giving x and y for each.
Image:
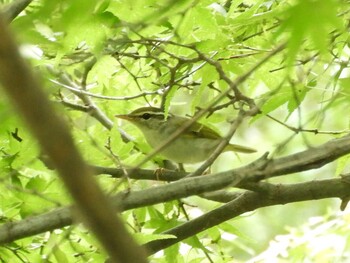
(306, 160)
(140, 174)
(272, 195)
(243, 177)
(249, 201)
(261, 169)
(53, 136)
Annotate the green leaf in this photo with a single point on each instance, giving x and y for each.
(168, 99)
(342, 163)
(298, 94)
(172, 254)
(7, 160)
(196, 243)
(276, 99)
(60, 255)
(206, 76)
(102, 72)
(312, 20)
(293, 96)
(38, 184)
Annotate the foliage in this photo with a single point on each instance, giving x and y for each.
(101, 58)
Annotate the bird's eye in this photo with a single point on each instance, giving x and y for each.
(146, 116)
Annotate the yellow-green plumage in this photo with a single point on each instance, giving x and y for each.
(195, 145)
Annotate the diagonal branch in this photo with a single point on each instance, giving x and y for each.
(53, 135)
(11, 11)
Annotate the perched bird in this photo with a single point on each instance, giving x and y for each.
(194, 145)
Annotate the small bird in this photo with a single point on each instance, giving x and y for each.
(194, 145)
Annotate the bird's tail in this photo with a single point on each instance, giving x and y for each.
(239, 148)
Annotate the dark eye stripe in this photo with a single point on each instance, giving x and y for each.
(148, 115)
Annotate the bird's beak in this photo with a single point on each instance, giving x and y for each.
(123, 116)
